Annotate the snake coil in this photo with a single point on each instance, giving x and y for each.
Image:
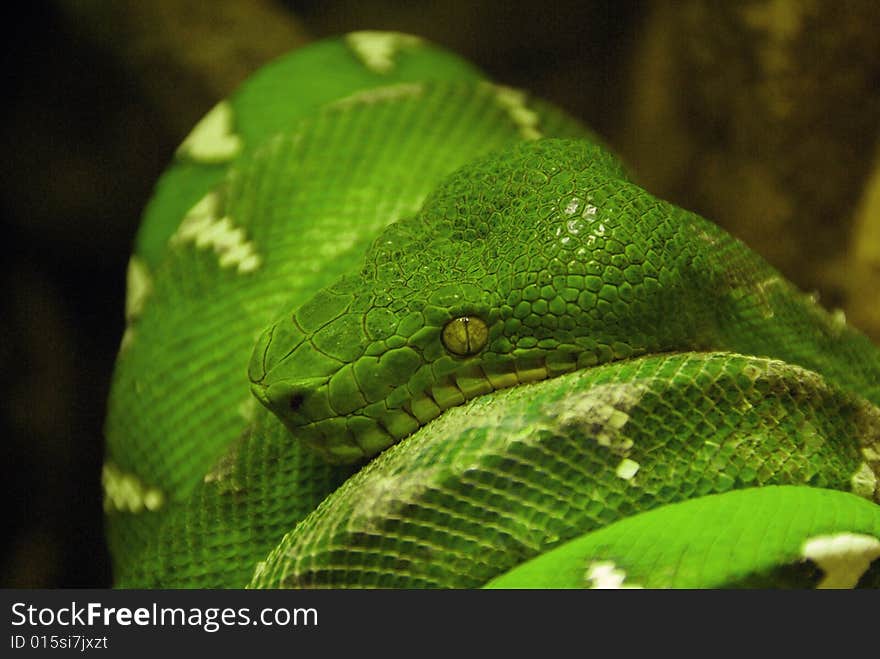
(400, 326)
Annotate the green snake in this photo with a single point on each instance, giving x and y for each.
(390, 324)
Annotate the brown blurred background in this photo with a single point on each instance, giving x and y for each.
(762, 115)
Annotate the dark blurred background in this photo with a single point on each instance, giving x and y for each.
(762, 115)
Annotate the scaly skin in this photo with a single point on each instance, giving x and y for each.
(636, 551)
(569, 264)
(506, 477)
(518, 291)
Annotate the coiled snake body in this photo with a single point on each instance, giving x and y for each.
(390, 324)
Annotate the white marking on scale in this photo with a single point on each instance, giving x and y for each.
(125, 492)
(871, 454)
(514, 103)
(602, 411)
(627, 469)
(605, 574)
(138, 286)
(864, 481)
(843, 557)
(380, 94)
(212, 140)
(377, 50)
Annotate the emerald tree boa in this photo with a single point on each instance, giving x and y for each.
(391, 324)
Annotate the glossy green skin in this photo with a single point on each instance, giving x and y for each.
(644, 545)
(569, 264)
(507, 477)
(580, 276)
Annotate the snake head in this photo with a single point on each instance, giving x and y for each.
(524, 265)
(353, 371)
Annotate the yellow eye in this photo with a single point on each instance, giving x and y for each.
(465, 336)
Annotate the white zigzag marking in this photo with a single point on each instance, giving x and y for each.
(514, 103)
(125, 492)
(202, 227)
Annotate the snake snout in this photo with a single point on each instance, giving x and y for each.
(296, 403)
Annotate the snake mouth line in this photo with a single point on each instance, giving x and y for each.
(375, 427)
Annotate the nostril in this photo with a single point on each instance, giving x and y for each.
(296, 401)
(295, 398)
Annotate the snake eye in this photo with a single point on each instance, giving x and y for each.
(466, 335)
